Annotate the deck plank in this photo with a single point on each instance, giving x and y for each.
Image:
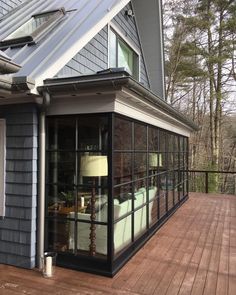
(193, 253)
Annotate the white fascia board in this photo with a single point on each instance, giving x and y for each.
(119, 103)
(81, 105)
(68, 47)
(137, 112)
(151, 109)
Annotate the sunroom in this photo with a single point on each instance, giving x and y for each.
(116, 168)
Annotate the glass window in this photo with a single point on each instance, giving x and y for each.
(34, 26)
(61, 134)
(122, 167)
(93, 133)
(140, 222)
(122, 200)
(140, 165)
(61, 167)
(122, 55)
(122, 234)
(152, 139)
(125, 56)
(140, 137)
(123, 134)
(77, 188)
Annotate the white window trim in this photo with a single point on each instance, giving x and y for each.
(112, 26)
(2, 166)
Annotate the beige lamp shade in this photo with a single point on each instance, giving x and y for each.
(153, 159)
(93, 166)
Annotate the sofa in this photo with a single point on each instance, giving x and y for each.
(122, 228)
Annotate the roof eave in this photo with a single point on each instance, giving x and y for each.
(111, 82)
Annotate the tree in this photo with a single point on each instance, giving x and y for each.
(201, 63)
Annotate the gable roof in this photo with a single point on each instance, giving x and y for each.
(83, 20)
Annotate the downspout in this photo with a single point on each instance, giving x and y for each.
(42, 169)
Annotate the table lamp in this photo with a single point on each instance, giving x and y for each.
(93, 166)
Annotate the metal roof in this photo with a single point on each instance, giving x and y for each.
(83, 20)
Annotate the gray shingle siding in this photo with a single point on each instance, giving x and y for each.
(94, 56)
(7, 5)
(18, 228)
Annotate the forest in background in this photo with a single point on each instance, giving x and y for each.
(200, 67)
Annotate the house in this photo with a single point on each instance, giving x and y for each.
(92, 158)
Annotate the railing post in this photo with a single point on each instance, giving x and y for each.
(206, 182)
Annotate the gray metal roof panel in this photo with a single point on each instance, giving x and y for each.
(61, 43)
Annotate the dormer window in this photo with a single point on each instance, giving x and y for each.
(33, 28)
(122, 55)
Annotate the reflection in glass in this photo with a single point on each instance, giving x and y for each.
(152, 139)
(162, 140)
(81, 245)
(93, 133)
(153, 212)
(162, 202)
(140, 195)
(140, 137)
(140, 221)
(61, 167)
(58, 234)
(61, 133)
(140, 165)
(122, 234)
(61, 200)
(122, 200)
(122, 167)
(123, 134)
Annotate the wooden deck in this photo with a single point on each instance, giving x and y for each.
(193, 253)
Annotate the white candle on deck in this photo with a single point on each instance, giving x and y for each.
(49, 266)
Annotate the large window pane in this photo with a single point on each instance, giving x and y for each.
(58, 235)
(153, 139)
(61, 133)
(140, 137)
(140, 165)
(122, 234)
(61, 200)
(125, 57)
(162, 139)
(140, 221)
(122, 134)
(122, 167)
(123, 199)
(122, 55)
(61, 167)
(93, 133)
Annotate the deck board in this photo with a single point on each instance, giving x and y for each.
(194, 253)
